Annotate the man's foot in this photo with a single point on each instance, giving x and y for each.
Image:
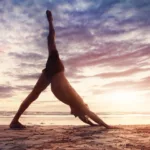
(17, 125)
(49, 15)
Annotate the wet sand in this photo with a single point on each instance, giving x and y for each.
(54, 137)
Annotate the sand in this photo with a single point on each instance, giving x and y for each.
(75, 138)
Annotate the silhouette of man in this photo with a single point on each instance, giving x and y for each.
(54, 74)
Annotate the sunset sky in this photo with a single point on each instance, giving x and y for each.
(104, 45)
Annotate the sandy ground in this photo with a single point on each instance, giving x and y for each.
(75, 138)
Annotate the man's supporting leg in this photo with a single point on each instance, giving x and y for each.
(41, 84)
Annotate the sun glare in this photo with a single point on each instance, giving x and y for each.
(123, 96)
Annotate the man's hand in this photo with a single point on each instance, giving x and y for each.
(81, 116)
(86, 120)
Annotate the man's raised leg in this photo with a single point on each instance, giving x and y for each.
(41, 84)
(51, 36)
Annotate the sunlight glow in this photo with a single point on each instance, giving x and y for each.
(123, 97)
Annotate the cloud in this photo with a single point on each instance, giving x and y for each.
(121, 74)
(139, 85)
(24, 88)
(28, 76)
(111, 55)
(27, 56)
(6, 91)
(109, 37)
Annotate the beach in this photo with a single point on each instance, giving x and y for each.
(73, 137)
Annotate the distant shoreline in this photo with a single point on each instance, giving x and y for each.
(67, 119)
(7, 113)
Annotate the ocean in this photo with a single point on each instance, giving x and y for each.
(64, 118)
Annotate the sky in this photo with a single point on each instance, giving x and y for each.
(104, 45)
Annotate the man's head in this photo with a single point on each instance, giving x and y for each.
(77, 112)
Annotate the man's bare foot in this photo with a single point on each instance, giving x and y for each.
(17, 125)
(49, 16)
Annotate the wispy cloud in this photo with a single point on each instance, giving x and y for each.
(6, 91)
(106, 39)
(121, 73)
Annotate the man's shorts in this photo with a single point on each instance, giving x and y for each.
(54, 65)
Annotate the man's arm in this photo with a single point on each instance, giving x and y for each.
(81, 116)
(86, 120)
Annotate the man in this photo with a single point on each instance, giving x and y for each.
(54, 74)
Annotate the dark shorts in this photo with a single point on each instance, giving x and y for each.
(54, 65)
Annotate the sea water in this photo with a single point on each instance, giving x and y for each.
(64, 118)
